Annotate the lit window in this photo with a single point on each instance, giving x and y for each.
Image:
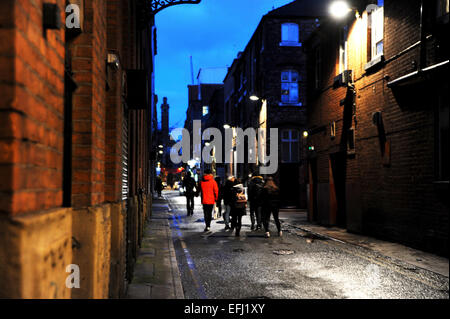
(376, 31)
(205, 110)
(343, 43)
(290, 146)
(289, 87)
(290, 34)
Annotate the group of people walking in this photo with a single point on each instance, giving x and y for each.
(263, 198)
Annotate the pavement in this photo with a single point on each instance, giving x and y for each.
(157, 275)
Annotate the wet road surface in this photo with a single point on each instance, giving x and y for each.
(218, 265)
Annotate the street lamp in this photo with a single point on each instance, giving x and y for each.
(339, 9)
(226, 126)
(254, 97)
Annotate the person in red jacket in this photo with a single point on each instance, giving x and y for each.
(210, 193)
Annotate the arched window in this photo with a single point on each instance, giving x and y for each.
(290, 146)
(289, 87)
(290, 34)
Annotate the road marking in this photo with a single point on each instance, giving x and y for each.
(176, 221)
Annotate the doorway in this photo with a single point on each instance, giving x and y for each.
(289, 185)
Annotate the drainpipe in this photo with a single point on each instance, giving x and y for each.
(423, 57)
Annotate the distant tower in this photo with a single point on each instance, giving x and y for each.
(165, 122)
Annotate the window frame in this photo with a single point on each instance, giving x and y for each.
(290, 82)
(290, 141)
(376, 32)
(289, 42)
(343, 50)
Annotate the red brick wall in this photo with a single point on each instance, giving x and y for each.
(114, 109)
(397, 202)
(31, 108)
(89, 104)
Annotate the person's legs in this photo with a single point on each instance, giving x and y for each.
(192, 205)
(238, 224)
(207, 211)
(188, 205)
(258, 217)
(252, 215)
(276, 212)
(226, 216)
(219, 208)
(233, 219)
(266, 218)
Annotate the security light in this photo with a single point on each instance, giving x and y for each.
(339, 9)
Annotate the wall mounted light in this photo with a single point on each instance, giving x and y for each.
(113, 60)
(305, 134)
(226, 126)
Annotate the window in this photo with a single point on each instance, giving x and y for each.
(343, 49)
(205, 110)
(289, 87)
(290, 34)
(376, 32)
(290, 146)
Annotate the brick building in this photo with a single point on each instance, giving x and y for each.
(200, 97)
(273, 67)
(378, 122)
(75, 123)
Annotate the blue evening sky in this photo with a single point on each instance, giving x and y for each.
(213, 32)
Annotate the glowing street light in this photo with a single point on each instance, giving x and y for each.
(254, 97)
(226, 126)
(305, 134)
(339, 9)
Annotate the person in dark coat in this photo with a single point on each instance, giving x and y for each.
(255, 188)
(239, 205)
(271, 205)
(189, 185)
(227, 195)
(219, 199)
(159, 186)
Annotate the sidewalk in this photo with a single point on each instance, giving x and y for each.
(298, 220)
(156, 274)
